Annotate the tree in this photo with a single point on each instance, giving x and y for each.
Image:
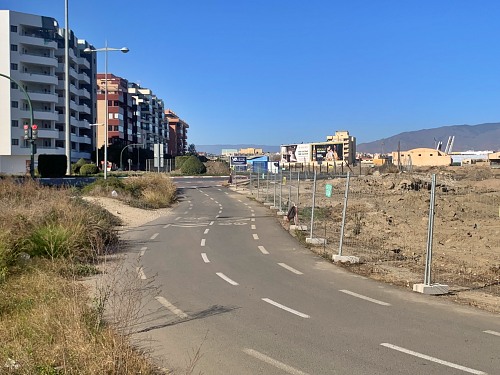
(192, 149)
(193, 165)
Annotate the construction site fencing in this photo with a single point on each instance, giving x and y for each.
(384, 221)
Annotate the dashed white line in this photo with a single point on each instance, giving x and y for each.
(273, 362)
(216, 202)
(143, 250)
(252, 219)
(154, 236)
(254, 227)
(253, 214)
(211, 223)
(432, 359)
(212, 198)
(298, 313)
(220, 212)
(140, 273)
(205, 258)
(365, 297)
(177, 218)
(190, 208)
(252, 210)
(239, 200)
(492, 333)
(166, 226)
(203, 242)
(225, 278)
(291, 269)
(263, 250)
(181, 314)
(206, 231)
(186, 212)
(226, 193)
(255, 236)
(216, 216)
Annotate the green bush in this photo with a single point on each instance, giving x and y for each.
(179, 160)
(88, 169)
(75, 168)
(52, 165)
(193, 165)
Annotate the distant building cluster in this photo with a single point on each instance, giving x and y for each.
(33, 47)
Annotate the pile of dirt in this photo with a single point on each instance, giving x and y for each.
(217, 168)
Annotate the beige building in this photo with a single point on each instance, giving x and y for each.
(251, 151)
(348, 144)
(421, 157)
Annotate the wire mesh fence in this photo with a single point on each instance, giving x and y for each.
(386, 224)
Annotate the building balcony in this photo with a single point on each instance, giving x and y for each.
(82, 77)
(38, 77)
(38, 59)
(48, 133)
(83, 62)
(84, 108)
(45, 115)
(35, 40)
(42, 96)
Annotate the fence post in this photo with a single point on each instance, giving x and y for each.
(313, 204)
(430, 233)
(281, 188)
(344, 213)
(274, 199)
(258, 183)
(298, 188)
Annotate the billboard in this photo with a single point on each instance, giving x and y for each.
(328, 151)
(296, 153)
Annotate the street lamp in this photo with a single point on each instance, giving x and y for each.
(105, 50)
(96, 144)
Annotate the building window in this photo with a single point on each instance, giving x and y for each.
(13, 28)
(13, 66)
(14, 85)
(15, 142)
(431, 155)
(13, 47)
(14, 104)
(46, 143)
(14, 123)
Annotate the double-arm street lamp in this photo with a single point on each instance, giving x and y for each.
(105, 50)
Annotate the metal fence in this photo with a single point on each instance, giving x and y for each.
(384, 220)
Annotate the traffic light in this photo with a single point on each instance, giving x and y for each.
(26, 131)
(34, 131)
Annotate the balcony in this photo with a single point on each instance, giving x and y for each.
(38, 59)
(38, 77)
(82, 77)
(84, 108)
(82, 61)
(84, 93)
(38, 41)
(42, 96)
(48, 133)
(44, 115)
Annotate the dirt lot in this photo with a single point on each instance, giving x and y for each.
(387, 224)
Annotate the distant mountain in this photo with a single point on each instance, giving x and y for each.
(217, 149)
(467, 137)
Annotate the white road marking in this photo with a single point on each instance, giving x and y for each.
(290, 268)
(140, 273)
(432, 359)
(154, 236)
(186, 212)
(492, 333)
(211, 223)
(226, 193)
(203, 242)
(358, 276)
(181, 314)
(224, 277)
(264, 358)
(166, 226)
(246, 204)
(216, 216)
(219, 189)
(298, 313)
(206, 231)
(220, 212)
(190, 208)
(253, 214)
(254, 227)
(253, 219)
(212, 198)
(205, 258)
(216, 202)
(263, 250)
(255, 236)
(178, 218)
(365, 297)
(252, 210)
(143, 250)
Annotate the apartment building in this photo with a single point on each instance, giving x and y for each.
(33, 50)
(151, 126)
(348, 143)
(178, 129)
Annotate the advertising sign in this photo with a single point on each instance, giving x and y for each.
(238, 160)
(328, 151)
(297, 153)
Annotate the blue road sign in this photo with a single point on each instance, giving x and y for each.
(238, 160)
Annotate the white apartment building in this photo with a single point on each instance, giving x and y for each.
(32, 48)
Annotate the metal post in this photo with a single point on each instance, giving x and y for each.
(298, 188)
(267, 185)
(313, 204)
(344, 213)
(274, 202)
(66, 88)
(258, 183)
(430, 233)
(281, 187)
(107, 109)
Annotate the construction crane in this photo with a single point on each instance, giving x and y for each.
(449, 144)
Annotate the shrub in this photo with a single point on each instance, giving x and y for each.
(75, 168)
(193, 165)
(88, 169)
(52, 165)
(179, 160)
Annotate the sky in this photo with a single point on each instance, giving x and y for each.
(273, 72)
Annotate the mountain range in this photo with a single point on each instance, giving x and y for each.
(480, 137)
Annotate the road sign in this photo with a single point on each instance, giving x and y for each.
(238, 160)
(329, 189)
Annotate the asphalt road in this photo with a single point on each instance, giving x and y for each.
(239, 289)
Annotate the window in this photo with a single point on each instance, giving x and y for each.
(15, 142)
(14, 123)
(13, 47)
(14, 104)
(13, 66)
(46, 143)
(13, 28)
(14, 85)
(431, 155)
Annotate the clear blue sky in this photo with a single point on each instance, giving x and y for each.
(285, 71)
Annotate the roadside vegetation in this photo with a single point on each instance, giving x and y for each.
(50, 239)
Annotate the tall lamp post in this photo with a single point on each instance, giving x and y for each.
(106, 49)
